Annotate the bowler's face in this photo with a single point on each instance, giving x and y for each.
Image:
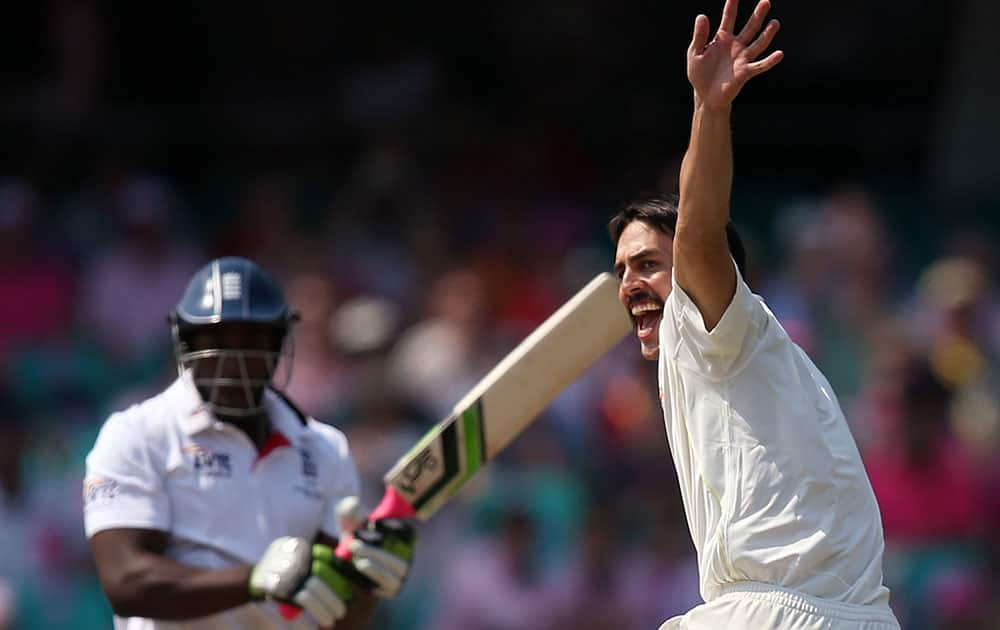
(643, 262)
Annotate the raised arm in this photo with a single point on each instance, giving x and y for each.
(717, 71)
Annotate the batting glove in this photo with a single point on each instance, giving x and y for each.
(381, 550)
(294, 571)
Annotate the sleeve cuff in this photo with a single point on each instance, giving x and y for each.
(94, 523)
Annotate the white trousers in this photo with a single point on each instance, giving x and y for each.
(757, 606)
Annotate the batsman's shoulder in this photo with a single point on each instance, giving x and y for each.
(328, 437)
(141, 423)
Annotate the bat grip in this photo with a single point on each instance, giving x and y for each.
(392, 505)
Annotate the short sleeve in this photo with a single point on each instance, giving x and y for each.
(344, 478)
(718, 353)
(122, 488)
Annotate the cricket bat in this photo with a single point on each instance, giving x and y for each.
(506, 401)
(500, 406)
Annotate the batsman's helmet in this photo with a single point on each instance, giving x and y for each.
(227, 291)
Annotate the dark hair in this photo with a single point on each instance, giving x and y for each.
(660, 211)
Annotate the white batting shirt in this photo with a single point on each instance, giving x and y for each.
(168, 464)
(771, 479)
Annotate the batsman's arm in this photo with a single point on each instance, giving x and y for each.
(141, 582)
(717, 71)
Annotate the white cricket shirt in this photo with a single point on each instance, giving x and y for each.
(771, 478)
(168, 464)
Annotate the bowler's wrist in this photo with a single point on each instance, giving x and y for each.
(704, 108)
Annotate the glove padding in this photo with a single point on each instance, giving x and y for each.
(381, 550)
(294, 571)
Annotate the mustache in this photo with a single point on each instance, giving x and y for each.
(634, 299)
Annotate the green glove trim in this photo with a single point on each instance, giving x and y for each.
(255, 593)
(399, 547)
(323, 567)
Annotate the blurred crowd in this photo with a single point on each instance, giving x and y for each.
(405, 306)
(429, 183)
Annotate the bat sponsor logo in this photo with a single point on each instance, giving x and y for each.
(410, 476)
(429, 473)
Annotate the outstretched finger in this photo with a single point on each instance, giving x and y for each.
(765, 64)
(752, 27)
(729, 16)
(700, 37)
(759, 45)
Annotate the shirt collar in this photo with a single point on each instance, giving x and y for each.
(283, 419)
(195, 416)
(192, 412)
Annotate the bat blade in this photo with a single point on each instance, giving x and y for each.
(506, 401)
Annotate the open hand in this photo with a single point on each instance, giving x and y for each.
(718, 69)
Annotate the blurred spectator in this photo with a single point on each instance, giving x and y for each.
(43, 558)
(38, 289)
(858, 289)
(588, 593)
(8, 606)
(319, 377)
(495, 583)
(658, 576)
(265, 227)
(796, 292)
(932, 543)
(954, 292)
(438, 359)
(129, 289)
(14, 494)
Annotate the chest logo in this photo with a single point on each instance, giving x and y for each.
(208, 462)
(308, 464)
(310, 476)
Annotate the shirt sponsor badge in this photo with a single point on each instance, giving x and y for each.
(208, 462)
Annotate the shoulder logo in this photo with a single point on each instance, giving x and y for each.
(208, 462)
(97, 490)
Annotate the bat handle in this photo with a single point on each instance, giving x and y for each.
(392, 505)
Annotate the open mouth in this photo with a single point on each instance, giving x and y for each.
(646, 315)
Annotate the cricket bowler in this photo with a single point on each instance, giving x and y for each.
(779, 506)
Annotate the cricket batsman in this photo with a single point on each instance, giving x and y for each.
(779, 506)
(217, 502)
